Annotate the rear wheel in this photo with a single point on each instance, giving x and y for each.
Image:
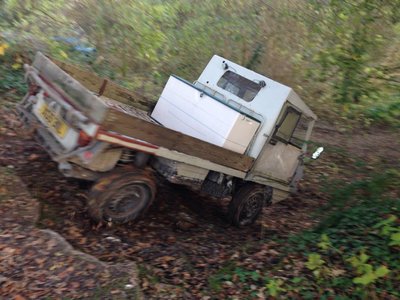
(122, 197)
(247, 203)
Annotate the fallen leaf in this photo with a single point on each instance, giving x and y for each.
(337, 272)
(33, 157)
(75, 284)
(166, 258)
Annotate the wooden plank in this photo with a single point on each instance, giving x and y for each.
(90, 80)
(124, 124)
(112, 90)
(118, 93)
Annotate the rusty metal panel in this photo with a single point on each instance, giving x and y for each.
(103, 162)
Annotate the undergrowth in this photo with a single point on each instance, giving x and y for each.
(354, 251)
(352, 254)
(12, 83)
(349, 254)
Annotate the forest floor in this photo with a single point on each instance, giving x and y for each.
(171, 260)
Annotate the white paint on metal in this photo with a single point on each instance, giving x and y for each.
(268, 102)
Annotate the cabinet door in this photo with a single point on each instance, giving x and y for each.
(241, 134)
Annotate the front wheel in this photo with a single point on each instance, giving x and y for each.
(122, 197)
(247, 203)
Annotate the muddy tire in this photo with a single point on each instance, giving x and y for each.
(122, 197)
(247, 203)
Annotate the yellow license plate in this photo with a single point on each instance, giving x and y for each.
(53, 121)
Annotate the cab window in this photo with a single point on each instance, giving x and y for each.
(239, 85)
(285, 128)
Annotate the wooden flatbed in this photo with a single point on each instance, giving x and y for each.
(117, 125)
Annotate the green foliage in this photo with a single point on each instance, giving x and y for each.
(275, 287)
(353, 60)
(388, 228)
(11, 72)
(367, 273)
(232, 273)
(336, 252)
(362, 218)
(245, 275)
(395, 239)
(225, 273)
(11, 80)
(325, 242)
(336, 50)
(361, 195)
(385, 112)
(315, 263)
(354, 36)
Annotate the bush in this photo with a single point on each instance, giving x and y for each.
(11, 71)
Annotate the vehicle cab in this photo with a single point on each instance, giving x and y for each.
(239, 109)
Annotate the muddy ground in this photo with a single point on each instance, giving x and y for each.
(175, 258)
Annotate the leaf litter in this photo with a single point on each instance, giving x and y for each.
(182, 243)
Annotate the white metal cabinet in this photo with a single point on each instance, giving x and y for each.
(186, 109)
